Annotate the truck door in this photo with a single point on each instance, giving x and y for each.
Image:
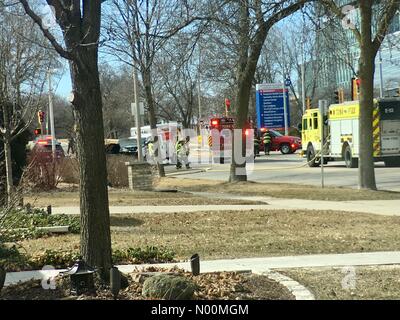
(389, 110)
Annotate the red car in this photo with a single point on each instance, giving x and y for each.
(279, 142)
(42, 150)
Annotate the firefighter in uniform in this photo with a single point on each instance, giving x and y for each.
(267, 142)
(182, 152)
(150, 149)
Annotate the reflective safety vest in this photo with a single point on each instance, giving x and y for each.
(256, 142)
(179, 147)
(150, 148)
(267, 138)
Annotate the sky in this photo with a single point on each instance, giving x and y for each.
(64, 87)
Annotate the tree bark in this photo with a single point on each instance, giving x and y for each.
(248, 60)
(152, 118)
(80, 22)
(7, 154)
(94, 205)
(366, 172)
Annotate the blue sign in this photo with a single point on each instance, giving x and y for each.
(288, 82)
(270, 106)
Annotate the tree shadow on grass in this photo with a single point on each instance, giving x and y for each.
(121, 221)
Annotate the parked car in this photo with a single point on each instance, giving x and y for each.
(282, 143)
(129, 146)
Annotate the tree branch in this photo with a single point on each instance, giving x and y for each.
(60, 50)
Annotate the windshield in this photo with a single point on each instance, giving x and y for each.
(276, 133)
(130, 141)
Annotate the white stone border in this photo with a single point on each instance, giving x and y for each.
(299, 291)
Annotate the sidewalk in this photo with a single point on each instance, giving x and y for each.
(256, 265)
(379, 207)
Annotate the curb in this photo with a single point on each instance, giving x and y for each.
(183, 173)
(299, 291)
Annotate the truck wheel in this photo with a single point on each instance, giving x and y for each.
(348, 158)
(219, 160)
(285, 149)
(312, 161)
(392, 162)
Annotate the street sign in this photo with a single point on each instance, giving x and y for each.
(270, 106)
(141, 108)
(288, 82)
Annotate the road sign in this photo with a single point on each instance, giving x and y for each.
(141, 108)
(288, 82)
(270, 106)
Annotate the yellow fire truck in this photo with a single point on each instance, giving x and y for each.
(338, 128)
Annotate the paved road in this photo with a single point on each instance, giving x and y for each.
(287, 169)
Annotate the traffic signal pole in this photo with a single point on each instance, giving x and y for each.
(51, 114)
(137, 116)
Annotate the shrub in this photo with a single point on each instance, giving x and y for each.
(57, 259)
(149, 254)
(116, 168)
(14, 260)
(19, 225)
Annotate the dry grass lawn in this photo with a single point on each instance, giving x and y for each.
(275, 190)
(371, 283)
(128, 198)
(246, 234)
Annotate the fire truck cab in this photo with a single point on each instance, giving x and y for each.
(221, 138)
(338, 127)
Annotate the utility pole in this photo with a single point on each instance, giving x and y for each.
(137, 116)
(199, 86)
(284, 89)
(51, 115)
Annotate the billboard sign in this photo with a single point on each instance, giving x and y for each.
(270, 106)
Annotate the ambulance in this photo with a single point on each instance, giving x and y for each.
(338, 128)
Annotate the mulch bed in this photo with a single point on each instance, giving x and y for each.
(210, 286)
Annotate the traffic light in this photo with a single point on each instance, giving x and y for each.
(37, 132)
(336, 97)
(355, 88)
(41, 116)
(308, 103)
(227, 104)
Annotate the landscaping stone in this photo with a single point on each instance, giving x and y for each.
(168, 287)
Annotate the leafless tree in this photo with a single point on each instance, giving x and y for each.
(80, 22)
(23, 67)
(252, 23)
(140, 30)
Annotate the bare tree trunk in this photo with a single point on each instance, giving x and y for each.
(152, 118)
(94, 205)
(9, 173)
(7, 154)
(366, 173)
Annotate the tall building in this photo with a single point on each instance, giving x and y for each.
(339, 53)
